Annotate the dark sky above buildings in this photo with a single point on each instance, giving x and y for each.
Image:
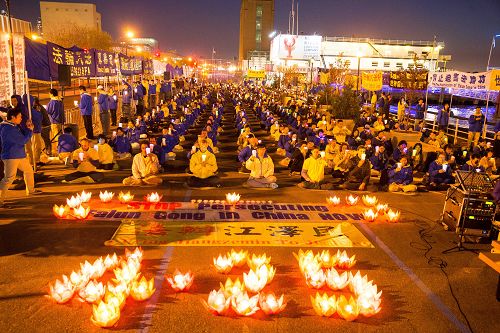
(193, 27)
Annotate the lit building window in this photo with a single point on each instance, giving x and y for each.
(374, 64)
(387, 64)
(259, 11)
(399, 64)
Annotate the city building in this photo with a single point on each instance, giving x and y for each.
(143, 44)
(56, 15)
(256, 23)
(18, 26)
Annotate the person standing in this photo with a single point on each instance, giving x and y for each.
(374, 100)
(402, 109)
(152, 94)
(13, 139)
(126, 101)
(419, 112)
(37, 147)
(112, 104)
(476, 122)
(139, 98)
(55, 110)
(86, 107)
(443, 117)
(102, 101)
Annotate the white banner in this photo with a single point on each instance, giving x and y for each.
(6, 89)
(460, 80)
(159, 67)
(19, 63)
(296, 47)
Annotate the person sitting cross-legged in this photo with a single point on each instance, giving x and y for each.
(85, 160)
(203, 166)
(401, 176)
(440, 174)
(261, 168)
(313, 172)
(359, 172)
(145, 168)
(66, 144)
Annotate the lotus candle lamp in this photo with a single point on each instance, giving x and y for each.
(334, 201)
(81, 212)
(270, 304)
(137, 254)
(223, 264)
(392, 216)
(85, 196)
(382, 208)
(368, 306)
(315, 279)
(181, 282)
(117, 300)
(105, 315)
(347, 309)
(267, 271)
(99, 268)
(244, 305)
(61, 291)
(344, 261)
(74, 201)
(142, 290)
(111, 261)
(153, 197)
(239, 258)
(217, 303)
(119, 288)
(369, 201)
(326, 259)
(92, 292)
(60, 211)
(231, 288)
(369, 215)
(87, 269)
(106, 196)
(232, 198)
(125, 197)
(336, 281)
(125, 274)
(255, 261)
(310, 266)
(324, 305)
(351, 200)
(78, 280)
(254, 282)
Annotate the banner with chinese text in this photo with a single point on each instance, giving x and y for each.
(130, 65)
(371, 81)
(147, 67)
(460, 80)
(81, 62)
(495, 80)
(6, 88)
(19, 56)
(408, 80)
(105, 62)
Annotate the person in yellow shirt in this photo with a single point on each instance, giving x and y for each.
(374, 100)
(203, 165)
(105, 153)
(313, 172)
(85, 160)
(261, 168)
(145, 168)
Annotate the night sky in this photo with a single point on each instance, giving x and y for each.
(193, 27)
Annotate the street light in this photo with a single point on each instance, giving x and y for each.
(130, 34)
(491, 50)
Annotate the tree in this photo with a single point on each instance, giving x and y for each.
(338, 71)
(81, 36)
(345, 105)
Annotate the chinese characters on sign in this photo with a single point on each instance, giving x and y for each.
(18, 41)
(408, 80)
(371, 81)
(105, 63)
(6, 89)
(460, 80)
(495, 80)
(130, 65)
(81, 62)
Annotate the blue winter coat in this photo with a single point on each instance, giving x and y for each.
(476, 125)
(55, 110)
(13, 139)
(121, 144)
(86, 104)
(403, 177)
(66, 143)
(102, 100)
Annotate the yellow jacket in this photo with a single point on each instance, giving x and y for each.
(260, 167)
(202, 169)
(105, 153)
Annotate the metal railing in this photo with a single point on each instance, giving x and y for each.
(385, 41)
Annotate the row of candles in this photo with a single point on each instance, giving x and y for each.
(322, 269)
(237, 295)
(109, 300)
(374, 210)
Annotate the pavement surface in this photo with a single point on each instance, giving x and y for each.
(423, 289)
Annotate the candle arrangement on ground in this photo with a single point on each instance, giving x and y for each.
(108, 300)
(248, 297)
(322, 269)
(375, 210)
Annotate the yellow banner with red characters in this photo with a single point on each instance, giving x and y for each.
(371, 81)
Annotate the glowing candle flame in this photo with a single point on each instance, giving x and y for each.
(85, 196)
(181, 282)
(217, 303)
(244, 305)
(153, 197)
(232, 198)
(142, 290)
(347, 309)
(81, 212)
(60, 211)
(369, 201)
(324, 305)
(352, 200)
(270, 304)
(105, 315)
(334, 201)
(223, 264)
(369, 215)
(239, 258)
(74, 201)
(106, 196)
(392, 216)
(61, 291)
(125, 197)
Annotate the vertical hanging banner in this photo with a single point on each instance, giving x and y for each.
(81, 62)
(6, 88)
(105, 62)
(19, 63)
(371, 81)
(147, 67)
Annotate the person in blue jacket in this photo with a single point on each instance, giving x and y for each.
(401, 177)
(440, 174)
(247, 152)
(35, 150)
(476, 122)
(139, 97)
(126, 100)
(121, 144)
(86, 107)
(112, 105)
(66, 144)
(152, 94)
(443, 117)
(55, 110)
(13, 139)
(103, 102)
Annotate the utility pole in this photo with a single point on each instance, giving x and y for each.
(11, 44)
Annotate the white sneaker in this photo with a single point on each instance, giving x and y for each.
(273, 186)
